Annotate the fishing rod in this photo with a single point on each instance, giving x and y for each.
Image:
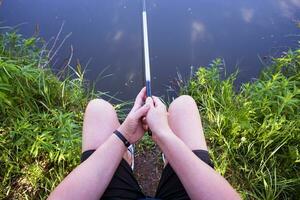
(146, 56)
(146, 52)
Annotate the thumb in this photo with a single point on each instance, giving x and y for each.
(149, 101)
(142, 111)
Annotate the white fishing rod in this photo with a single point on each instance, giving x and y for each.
(146, 55)
(146, 51)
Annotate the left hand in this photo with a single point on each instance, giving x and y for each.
(133, 127)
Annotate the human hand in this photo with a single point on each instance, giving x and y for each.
(157, 117)
(133, 126)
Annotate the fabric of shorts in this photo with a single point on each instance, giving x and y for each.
(124, 185)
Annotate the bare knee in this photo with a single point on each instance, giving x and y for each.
(184, 102)
(100, 120)
(185, 121)
(99, 104)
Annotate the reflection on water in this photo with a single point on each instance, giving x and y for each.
(289, 8)
(247, 14)
(181, 34)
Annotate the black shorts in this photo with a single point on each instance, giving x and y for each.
(124, 185)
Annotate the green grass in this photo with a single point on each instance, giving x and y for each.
(40, 120)
(253, 132)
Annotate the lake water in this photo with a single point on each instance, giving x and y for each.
(107, 36)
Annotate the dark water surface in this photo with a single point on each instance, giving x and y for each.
(107, 34)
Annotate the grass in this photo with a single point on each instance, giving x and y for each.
(40, 120)
(253, 132)
(41, 117)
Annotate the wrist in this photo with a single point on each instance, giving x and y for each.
(125, 133)
(162, 135)
(122, 138)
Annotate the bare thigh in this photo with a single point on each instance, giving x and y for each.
(100, 120)
(185, 122)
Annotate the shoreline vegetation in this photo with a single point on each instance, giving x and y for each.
(253, 132)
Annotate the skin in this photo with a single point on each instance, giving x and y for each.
(194, 174)
(169, 131)
(90, 179)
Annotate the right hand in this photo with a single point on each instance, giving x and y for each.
(157, 117)
(132, 127)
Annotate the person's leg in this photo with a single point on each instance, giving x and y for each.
(100, 120)
(184, 120)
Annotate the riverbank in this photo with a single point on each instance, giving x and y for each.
(40, 120)
(253, 133)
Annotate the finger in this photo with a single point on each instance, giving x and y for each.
(149, 101)
(141, 111)
(158, 102)
(145, 95)
(145, 127)
(144, 120)
(141, 94)
(139, 100)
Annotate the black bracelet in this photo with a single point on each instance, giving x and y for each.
(121, 137)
